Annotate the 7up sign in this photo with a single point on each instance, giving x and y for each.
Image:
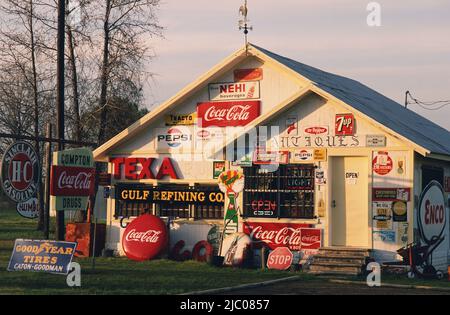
(20, 171)
(72, 179)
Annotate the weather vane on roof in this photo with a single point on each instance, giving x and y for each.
(244, 22)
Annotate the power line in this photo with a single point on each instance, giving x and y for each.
(436, 105)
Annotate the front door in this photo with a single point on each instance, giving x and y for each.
(349, 202)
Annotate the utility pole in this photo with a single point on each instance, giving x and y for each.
(48, 165)
(60, 226)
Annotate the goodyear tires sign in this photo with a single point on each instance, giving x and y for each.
(42, 256)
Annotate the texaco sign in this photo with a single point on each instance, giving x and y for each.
(20, 171)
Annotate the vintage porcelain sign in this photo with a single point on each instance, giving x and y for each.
(144, 238)
(20, 171)
(227, 114)
(292, 235)
(432, 214)
(72, 181)
(234, 91)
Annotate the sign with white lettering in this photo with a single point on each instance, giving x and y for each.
(227, 114)
(72, 179)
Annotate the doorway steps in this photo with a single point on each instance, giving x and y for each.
(340, 261)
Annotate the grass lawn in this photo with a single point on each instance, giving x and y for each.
(116, 275)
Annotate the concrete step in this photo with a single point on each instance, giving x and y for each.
(331, 268)
(345, 251)
(337, 259)
(334, 273)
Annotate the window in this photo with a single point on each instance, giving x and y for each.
(287, 192)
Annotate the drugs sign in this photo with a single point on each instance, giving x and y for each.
(20, 171)
(42, 256)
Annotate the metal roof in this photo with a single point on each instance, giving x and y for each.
(385, 111)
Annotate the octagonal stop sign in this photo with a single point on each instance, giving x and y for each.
(280, 258)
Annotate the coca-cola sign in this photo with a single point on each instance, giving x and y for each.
(311, 239)
(144, 237)
(292, 235)
(227, 114)
(72, 181)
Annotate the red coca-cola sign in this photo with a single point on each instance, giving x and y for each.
(311, 238)
(144, 237)
(316, 130)
(72, 181)
(275, 235)
(227, 114)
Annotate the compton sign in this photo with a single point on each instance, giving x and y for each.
(72, 179)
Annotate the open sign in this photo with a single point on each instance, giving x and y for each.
(432, 212)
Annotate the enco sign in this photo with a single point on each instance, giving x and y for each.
(432, 212)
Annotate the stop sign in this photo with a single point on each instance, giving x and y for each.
(280, 258)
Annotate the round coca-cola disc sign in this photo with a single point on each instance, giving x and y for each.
(144, 238)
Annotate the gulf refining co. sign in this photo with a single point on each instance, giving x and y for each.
(20, 171)
(72, 179)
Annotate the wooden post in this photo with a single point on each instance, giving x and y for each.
(48, 165)
(263, 258)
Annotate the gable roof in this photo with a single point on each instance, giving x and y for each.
(384, 111)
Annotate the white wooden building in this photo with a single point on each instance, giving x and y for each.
(352, 162)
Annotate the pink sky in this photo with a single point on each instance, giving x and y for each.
(410, 51)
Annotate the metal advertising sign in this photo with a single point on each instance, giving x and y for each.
(174, 138)
(280, 258)
(218, 168)
(229, 91)
(20, 171)
(72, 179)
(432, 212)
(181, 119)
(375, 140)
(144, 237)
(28, 209)
(42, 256)
(391, 194)
(263, 157)
(227, 114)
(345, 125)
(254, 74)
(289, 235)
(147, 193)
(382, 163)
(316, 130)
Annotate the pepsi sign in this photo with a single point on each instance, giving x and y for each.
(174, 138)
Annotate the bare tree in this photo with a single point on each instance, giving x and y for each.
(125, 23)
